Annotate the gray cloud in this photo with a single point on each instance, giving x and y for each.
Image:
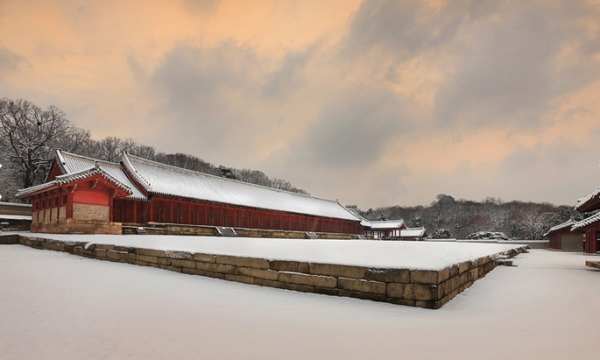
(201, 6)
(288, 76)
(405, 28)
(508, 71)
(9, 61)
(560, 172)
(207, 94)
(353, 128)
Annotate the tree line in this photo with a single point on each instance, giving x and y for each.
(29, 134)
(447, 217)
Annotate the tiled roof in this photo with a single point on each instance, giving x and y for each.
(587, 221)
(384, 224)
(68, 178)
(73, 163)
(585, 199)
(560, 226)
(412, 232)
(164, 179)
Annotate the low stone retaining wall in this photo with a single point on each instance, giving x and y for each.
(593, 264)
(421, 288)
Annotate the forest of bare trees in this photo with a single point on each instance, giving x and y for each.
(29, 134)
(449, 217)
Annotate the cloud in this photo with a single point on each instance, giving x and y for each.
(403, 29)
(207, 95)
(288, 75)
(9, 61)
(354, 128)
(373, 102)
(508, 70)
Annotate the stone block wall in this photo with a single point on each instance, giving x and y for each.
(87, 219)
(88, 212)
(71, 226)
(421, 288)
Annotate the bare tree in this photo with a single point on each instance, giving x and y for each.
(28, 134)
(110, 148)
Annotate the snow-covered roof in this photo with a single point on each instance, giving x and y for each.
(581, 202)
(384, 224)
(560, 226)
(68, 178)
(165, 179)
(587, 221)
(413, 232)
(73, 163)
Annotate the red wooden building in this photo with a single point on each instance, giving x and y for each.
(562, 237)
(140, 191)
(590, 226)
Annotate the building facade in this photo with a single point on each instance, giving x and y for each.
(562, 237)
(83, 194)
(590, 226)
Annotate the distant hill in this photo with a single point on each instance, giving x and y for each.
(459, 218)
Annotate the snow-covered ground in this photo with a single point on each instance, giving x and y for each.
(373, 253)
(57, 306)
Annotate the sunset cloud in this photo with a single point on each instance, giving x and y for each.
(372, 102)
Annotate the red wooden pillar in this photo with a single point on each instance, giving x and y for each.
(70, 204)
(150, 210)
(111, 202)
(594, 238)
(135, 211)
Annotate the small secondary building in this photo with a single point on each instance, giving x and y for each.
(563, 238)
(88, 195)
(383, 229)
(590, 226)
(413, 234)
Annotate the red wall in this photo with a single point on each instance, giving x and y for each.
(591, 233)
(196, 212)
(54, 171)
(85, 193)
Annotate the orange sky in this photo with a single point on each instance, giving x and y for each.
(372, 102)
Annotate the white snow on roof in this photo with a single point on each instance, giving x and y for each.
(412, 232)
(581, 201)
(587, 221)
(560, 226)
(73, 163)
(384, 224)
(170, 180)
(67, 178)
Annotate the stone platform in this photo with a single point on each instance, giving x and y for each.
(422, 288)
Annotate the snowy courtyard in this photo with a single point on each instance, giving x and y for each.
(78, 308)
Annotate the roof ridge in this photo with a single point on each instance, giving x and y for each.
(86, 157)
(200, 173)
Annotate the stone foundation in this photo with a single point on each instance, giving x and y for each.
(593, 264)
(71, 226)
(204, 230)
(421, 288)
